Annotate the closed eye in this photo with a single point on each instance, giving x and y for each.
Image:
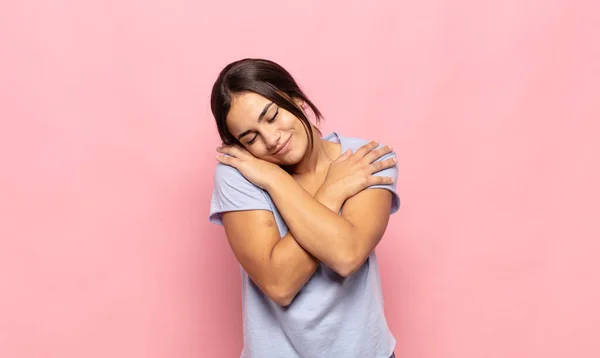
(274, 116)
(251, 141)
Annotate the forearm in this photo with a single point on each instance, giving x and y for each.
(292, 264)
(315, 223)
(290, 267)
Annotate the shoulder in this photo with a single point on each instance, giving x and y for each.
(355, 143)
(225, 172)
(233, 192)
(229, 179)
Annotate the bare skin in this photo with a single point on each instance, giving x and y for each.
(308, 194)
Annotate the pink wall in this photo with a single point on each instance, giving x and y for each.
(107, 150)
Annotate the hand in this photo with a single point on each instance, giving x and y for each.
(259, 172)
(353, 172)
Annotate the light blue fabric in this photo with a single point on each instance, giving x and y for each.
(332, 316)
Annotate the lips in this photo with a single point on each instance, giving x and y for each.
(282, 146)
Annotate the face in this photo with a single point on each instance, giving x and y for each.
(266, 130)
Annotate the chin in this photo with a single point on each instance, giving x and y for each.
(289, 160)
(294, 159)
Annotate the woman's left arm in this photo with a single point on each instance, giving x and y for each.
(342, 242)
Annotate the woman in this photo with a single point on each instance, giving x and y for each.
(299, 219)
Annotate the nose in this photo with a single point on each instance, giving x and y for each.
(272, 139)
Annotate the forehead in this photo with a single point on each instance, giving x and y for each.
(244, 111)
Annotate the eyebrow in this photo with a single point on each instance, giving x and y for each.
(260, 118)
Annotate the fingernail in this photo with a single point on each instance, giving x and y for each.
(388, 146)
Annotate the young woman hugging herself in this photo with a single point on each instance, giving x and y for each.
(303, 214)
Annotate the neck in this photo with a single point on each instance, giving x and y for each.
(317, 160)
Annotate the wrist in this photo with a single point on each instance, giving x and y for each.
(278, 175)
(327, 197)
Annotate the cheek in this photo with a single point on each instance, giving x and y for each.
(304, 138)
(290, 122)
(258, 150)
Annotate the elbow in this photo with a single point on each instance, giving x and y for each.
(351, 258)
(283, 300)
(347, 270)
(281, 295)
(348, 264)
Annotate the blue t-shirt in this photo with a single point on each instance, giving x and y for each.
(332, 316)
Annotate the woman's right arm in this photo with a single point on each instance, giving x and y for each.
(279, 266)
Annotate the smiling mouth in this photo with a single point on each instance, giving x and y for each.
(282, 146)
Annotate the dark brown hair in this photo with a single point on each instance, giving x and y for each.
(262, 77)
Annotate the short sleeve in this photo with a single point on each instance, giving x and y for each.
(393, 173)
(233, 192)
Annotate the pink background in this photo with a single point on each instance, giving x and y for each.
(107, 151)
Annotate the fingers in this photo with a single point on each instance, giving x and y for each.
(344, 155)
(231, 161)
(377, 153)
(362, 151)
(377, 180)
(230, 155)
(384, 164)
(231, 150)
